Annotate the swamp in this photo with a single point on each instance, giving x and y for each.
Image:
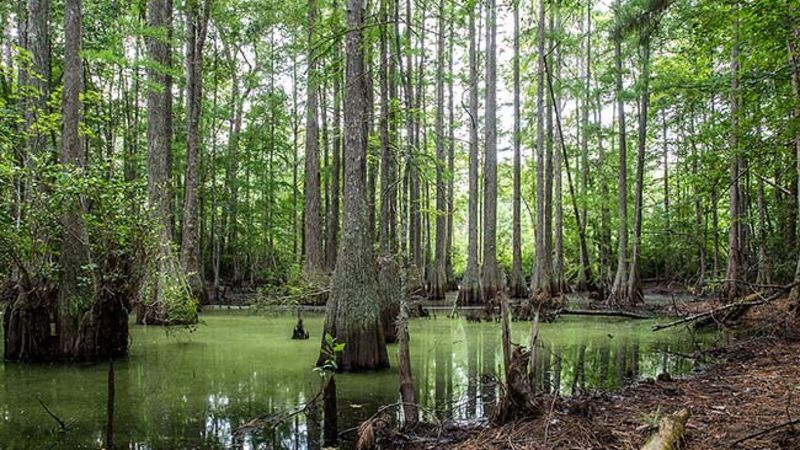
(400, 224)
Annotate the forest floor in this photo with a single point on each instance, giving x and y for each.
(749, 398)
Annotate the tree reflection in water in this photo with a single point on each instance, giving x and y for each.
(196, 392)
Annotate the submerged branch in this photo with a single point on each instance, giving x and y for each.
(61, 423)
(606, 313)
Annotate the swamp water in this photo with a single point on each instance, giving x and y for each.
(193, 391)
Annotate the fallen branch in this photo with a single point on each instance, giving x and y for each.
(670, 432)
(763, 432)
(745, 303)
(607, 313)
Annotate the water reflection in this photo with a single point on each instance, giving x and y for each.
(177, 393)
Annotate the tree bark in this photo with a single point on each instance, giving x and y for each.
(489, 277)
(196, 31)
(389, 271)
(516, 285)
(416, 281)
(634, 286)
(541, 282)
(794, 57)
(585, 280)
(36, 34)
(618, 289)
(166, 271)
(332, 242)
(733, 272)
(353, 310)
(470, 289)
(73, 293)
(451, 142)
(313, 215)
(438, 286)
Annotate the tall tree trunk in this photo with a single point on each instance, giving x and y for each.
(423, 199)
(389, 272)
(415, 215)
(196, 29)
(585, 280)
(489, 277)
(618, 289)
(763, 276)
(438, 286)
(605, 267)
(469, 292)
(27, 319)
(634, 285)
(167, 275)
(541, 282)
(451, 142)
(516, 285)
(667, 218)
(332, 242)
(37, 41)
(733, 272)
(794, 57)
(700, 236)
(353, 311)
(75, 242)
(550, 105)
(313, 215)
(295, 147)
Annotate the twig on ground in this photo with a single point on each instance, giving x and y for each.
(768, 430)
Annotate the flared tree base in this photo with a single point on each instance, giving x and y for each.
(35, 331)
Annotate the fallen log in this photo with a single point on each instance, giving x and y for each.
(734, 310)
(599, 312)
(670, 432)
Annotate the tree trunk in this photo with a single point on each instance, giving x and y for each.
(618, 289)
(389, 271)
(733, 272)
(605, 213)
(353, 310)
(794, 57)
(585, 280)
(667, 218)
(541, 282)
(634, 286)
(489, 277)
(469, 292)
(37, 42)
(438, 286)
(699, 233)
(451, 142)
(196, 29)
(516, 285)
(332, 242)
(232, 171)
(313, 215)
(416, 281)
(75, 242)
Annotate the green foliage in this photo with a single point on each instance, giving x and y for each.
(31, 238)
(331, 349)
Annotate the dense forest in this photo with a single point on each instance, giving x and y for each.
(372, 156)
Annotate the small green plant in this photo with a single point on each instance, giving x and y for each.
(651, 419)
(331, 349)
